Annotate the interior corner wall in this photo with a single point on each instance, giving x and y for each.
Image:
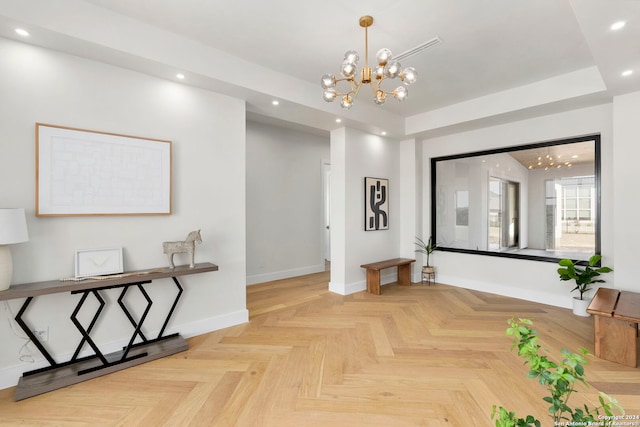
(338, 212)
(410, 162)
(354, 156)
(285, 203)
(525, 279)
(207, 131)
(626, 175)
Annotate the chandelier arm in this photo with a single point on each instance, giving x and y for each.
(351, 84)
(357, 90)
(354, 89)
(380, 88)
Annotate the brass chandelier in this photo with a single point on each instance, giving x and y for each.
(387, 68)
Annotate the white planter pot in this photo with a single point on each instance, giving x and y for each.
(580, 306)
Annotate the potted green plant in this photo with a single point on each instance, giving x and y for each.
(559, 379)
(427, 249)
(584, 277)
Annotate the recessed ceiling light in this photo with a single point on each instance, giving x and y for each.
(383, 133)
(618, 25)
(180, 76)
(627, 73)
(275, 102)
(338, 120)
(23, 33)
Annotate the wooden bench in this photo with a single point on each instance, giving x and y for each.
(373, 272)
(616, 317)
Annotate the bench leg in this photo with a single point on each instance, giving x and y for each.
(404, 275)
(373, 282)
(616, 340)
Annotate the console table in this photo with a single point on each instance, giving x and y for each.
(79, 369)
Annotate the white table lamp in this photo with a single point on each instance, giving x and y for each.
(13, 229)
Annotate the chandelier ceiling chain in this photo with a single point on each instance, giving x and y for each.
(387, 68)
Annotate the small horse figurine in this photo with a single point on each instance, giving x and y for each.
(188, 246)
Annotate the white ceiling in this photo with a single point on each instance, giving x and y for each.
(557, 156)
(261, 50)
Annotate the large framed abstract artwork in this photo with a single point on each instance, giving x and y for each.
(84, 172)
(376, 204)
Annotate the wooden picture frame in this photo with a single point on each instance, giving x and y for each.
(376, 204)
(98, 262)
(84, 172)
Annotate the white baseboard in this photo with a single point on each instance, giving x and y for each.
(347, 289)
(204, 326)
(9, 376)
(285, 274)
(518, 293)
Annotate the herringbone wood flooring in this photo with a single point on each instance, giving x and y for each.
(414, 356)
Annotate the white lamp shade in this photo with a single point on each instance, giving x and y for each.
(13, 226)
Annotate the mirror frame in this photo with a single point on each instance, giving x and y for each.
(434, 161)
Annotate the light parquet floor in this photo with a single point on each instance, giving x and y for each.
(414, 356)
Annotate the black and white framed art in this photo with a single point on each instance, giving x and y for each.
(376, 204)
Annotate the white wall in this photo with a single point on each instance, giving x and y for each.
(626, 175)
(284, 202)
(354, 156)
(532, 280)
(208, 134)
(410, 201)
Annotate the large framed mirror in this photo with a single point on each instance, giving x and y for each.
(538, 201)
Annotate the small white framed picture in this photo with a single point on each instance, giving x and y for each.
(98, 262)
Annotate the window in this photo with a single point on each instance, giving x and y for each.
(572, 224)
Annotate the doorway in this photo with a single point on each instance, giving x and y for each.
(504, 223)
(326, 226)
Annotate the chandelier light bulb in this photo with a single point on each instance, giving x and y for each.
(393, 69)
(328, 81)
(379, 72)
(347, 102)
(347, 69)
(383, 56)
(329, 95)
(347, 85)
(400, 93)
(409, 76)
(352, 57)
